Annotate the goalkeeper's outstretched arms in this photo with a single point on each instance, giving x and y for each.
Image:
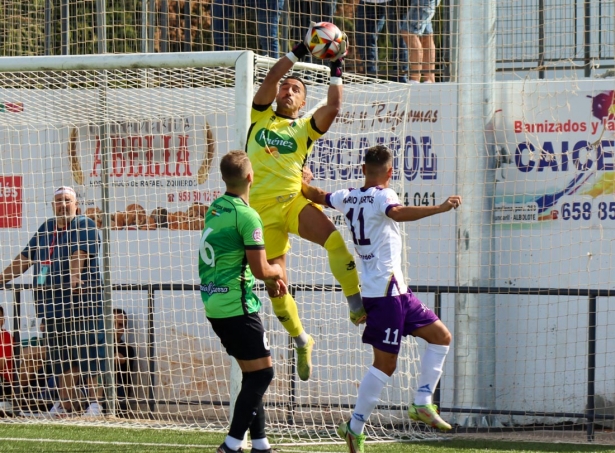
(269, 88)
(18, 266)
(325, 115)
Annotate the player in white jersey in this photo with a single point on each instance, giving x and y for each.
(393, 311)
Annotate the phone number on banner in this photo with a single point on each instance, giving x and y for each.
(586, 210)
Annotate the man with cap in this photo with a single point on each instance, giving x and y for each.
(67, 286)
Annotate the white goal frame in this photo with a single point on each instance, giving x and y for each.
(245, 68)
(242, 61)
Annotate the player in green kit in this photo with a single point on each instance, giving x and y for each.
(231, 256)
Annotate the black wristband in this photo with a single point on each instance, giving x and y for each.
(336, 68)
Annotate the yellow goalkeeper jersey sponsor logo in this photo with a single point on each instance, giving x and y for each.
(278, 148)
(275, 144)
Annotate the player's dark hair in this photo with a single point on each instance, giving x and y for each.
(1, 311)
(378, 156)
(234, 167)
(296, 77)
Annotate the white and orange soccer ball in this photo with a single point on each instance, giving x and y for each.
(325, 41)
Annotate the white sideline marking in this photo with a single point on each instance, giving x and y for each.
(296, 449)
(102, 442)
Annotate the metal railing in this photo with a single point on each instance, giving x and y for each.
(589, 415)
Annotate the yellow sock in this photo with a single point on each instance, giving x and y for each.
(342, 264)
(285, 308)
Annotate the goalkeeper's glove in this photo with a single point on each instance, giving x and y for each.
(336, 68)
(358, 317)
(299, 51)
(337, 63)
(343, 50)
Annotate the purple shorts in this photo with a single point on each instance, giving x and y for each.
(390, 318)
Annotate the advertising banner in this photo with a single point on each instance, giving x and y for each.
(11, 198)
(556, 160)
(553, 210)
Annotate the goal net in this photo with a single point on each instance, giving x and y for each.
(523, 127)
(139, 137)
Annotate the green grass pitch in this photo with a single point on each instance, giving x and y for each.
(33, 438)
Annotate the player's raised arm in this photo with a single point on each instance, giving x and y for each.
(324, 116)
(269, 88)
(412, 213)
(314, 194)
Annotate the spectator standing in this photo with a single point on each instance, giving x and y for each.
(6, 363)
(267, 17)
(124, 362)
(303, 12)
(68, 294)
(371, 16)
(417, 31)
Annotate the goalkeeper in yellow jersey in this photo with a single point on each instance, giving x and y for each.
(279, 142)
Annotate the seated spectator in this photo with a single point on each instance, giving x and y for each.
(6, 364)
(124, 363)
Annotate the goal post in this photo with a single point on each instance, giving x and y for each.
(243, 64)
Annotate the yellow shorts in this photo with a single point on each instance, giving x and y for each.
(281, 217)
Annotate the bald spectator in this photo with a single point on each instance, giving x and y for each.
(68, 294)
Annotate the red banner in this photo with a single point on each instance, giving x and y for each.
(11, 199)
